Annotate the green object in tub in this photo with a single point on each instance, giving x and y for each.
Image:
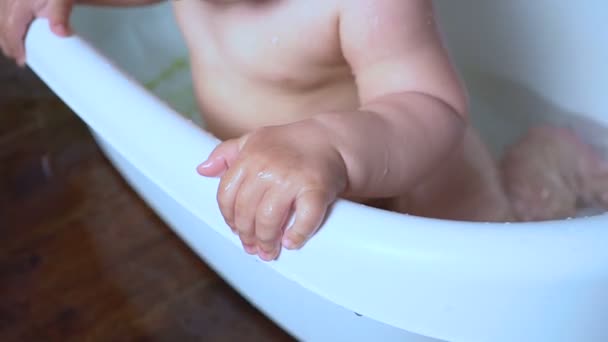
(174, 86)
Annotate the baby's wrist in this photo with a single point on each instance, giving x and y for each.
(344, 137)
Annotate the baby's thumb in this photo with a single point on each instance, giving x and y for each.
(58, 12)
(222, 157)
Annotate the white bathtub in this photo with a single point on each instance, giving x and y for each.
(369, 274)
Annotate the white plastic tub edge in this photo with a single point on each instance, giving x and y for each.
(449, 280)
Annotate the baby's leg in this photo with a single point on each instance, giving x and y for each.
(466, 187)
(550, 172)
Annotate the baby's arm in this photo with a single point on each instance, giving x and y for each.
(16, 16)
(413, 112)
(413, 107)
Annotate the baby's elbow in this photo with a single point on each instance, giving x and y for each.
(457, 99)
(449, 95)
(452, 91)
(461, 107)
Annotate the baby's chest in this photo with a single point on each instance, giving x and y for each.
(286, 43)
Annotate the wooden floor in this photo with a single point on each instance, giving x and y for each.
(81, 256)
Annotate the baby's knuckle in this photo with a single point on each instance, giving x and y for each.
(267, 233)
(266, 210)
(243, 224)
(267, 236)
(242, 206)
(246, 234)
(310, 215)
(266, 217)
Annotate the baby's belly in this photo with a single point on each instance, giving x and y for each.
(232, 105)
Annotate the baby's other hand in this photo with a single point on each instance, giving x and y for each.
(17, 15)
(267, 174)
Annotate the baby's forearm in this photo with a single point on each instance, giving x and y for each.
(389, 144)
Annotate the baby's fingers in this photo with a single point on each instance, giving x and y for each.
(14, 30)
(58, 14)
(220, 159)
(310, 207)
(269, 221)
(247, 200)
(227, 192)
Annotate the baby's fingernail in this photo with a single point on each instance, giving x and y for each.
(266, 256)
(57, 28)
(288, 243)
(204, 166)
(207, 167)
(60, 29)
(206, 163)
(250, 249)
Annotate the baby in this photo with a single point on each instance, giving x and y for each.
(321, 99)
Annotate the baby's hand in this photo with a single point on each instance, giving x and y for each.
(16, 16)
(267, 174)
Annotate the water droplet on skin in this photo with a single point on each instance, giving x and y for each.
(265, 175)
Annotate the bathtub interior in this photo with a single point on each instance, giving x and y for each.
(531, 62)
(146, 43)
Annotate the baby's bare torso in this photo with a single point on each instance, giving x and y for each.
(259, 63)
(271, 62)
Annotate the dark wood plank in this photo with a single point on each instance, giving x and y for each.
(82, 258)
